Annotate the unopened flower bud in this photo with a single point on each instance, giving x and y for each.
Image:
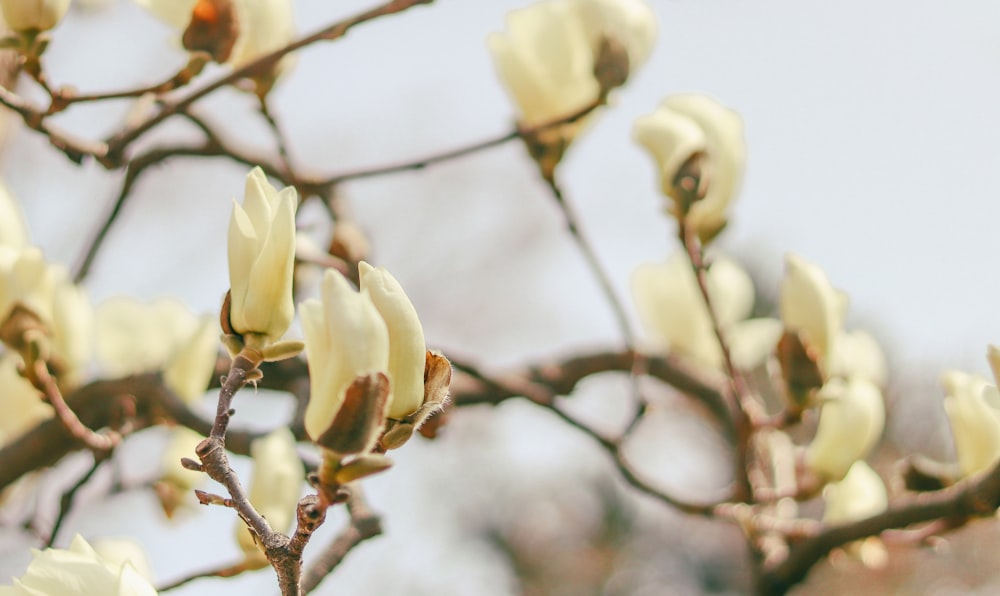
(811, 306)
(407, 351)
(262, 259)
(33, 15)
(973, 408)
(698, 146)
(852, 416)
(345, 339)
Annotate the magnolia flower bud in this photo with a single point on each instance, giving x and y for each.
(860, 495)
(560, 56)
(973, 409)
(811, 306)
(407, 351)
(28, 280)
(857, 353)
(697, 144)
(72, 332)
(20, 402)
(232, 31)
(176, 481)
(851, 420)
(671, 305)
(78, 570)
(13, 231)
(346, 339)
(135, 337)
(33, 15)
(262, 259)
(119, 551)
(275, 486)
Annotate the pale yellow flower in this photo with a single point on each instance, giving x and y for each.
(546, 57)
(683, 127)
(135, 337)
(673, 310)
(78, 571)
(261, 259)
(345, 338)
(13, 231)
(852, 417)
(860, 495)
(20, 402)
(811, 306)
(33, 15)
(407, 351)
(973, 408)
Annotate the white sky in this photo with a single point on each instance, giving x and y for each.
(872, 127)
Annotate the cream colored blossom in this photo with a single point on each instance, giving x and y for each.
(78, 571)
(275, 486)
(683, 127)
(72, 331)
(546, 58)
(860, 495)
(262, 258)
(30, 281)
(811, 306)
(407, 351)
(852, 417)
(21, 404)
(13, 231)
(33, 15)
(672, 308)
(119, 551)
(135, 337)
(973, 408)
(263, 26)
(857, 353)
(345, 338)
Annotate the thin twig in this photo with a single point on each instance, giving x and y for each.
(118, 142)
(227, 571)
(324, 185)
(364, 525)
(66, 501)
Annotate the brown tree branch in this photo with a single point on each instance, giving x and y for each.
(975, 497)
(364, 525)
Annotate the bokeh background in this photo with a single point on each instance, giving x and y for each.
(873, 144)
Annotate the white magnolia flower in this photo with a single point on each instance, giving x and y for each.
(261, 259)
(262, 26)
(78, 571)
(275, 486)
(852, 417)
(546, 58)
(21, 404)
(27, 279)
(407, 351)
(33, 15)
(13, 231)
(860, 495)
(345, 338)
(671, 306)
(119, 551)
(72, 331)
(857, 353)
(811, 306)
(973, 408)
(683, 127)
(135, 337)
